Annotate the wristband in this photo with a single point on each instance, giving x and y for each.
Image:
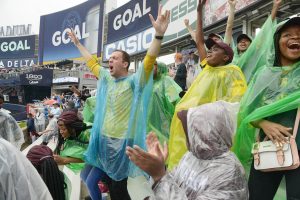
(159, 37)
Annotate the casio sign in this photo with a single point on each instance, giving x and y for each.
(133, 44)
(130, 15)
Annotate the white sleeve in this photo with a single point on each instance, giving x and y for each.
(168, 189)
(19, 178)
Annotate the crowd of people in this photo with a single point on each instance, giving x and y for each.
(187, 131)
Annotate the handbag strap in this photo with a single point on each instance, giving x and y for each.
(296, 126)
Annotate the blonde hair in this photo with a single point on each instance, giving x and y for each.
(178, 56)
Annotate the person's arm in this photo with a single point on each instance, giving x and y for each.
(199, 31)
(75, 90)
(168, 189)
(276, 4)
(275, 132)
(66, 160)
(229, 26)
(189, 28)
(160, 25)
(92, 63)
(45, 131)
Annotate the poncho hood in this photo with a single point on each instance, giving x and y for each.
(210, 128)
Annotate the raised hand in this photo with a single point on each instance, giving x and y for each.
(152, 142)
(277, 3)
(232, 3)
(201, 4)
(161, 23)
(153, 161)
(73, 37)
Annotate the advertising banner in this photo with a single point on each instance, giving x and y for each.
(16, 63)
(40, 78)
(130, 19)
(214, 11)
(17, 47)
(67, 79)
(85, 19)
(134, 44)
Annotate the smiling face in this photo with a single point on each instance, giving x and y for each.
(289, 45)
(117, 66)
(243, 44)
(63, 130)
(216, 56)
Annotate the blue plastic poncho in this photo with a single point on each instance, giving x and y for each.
(120, 121)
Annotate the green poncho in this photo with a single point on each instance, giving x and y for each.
(75, 149)
(162, 104)
(273, 90)
(89, 109)
(255, 56)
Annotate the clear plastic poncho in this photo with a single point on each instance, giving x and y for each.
(255, 56)
(212, 84)
(19, 179)
(209, 170)
(120, 121)
(10, 130)
(164, 97)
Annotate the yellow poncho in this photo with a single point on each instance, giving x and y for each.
(212, 84)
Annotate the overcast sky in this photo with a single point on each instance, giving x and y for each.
(17, 12)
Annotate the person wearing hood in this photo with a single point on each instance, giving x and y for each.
(164, 97)
(51, 130)
(219, 80)
(39, 120)
(209, 170)
(9, 128)
(270, 104)
(19, 179)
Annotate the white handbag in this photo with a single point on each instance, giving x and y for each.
(276, 157)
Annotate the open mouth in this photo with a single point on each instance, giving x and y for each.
(294, 46)
(111, 68)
